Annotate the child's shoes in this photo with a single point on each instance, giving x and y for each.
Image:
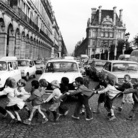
(27, 122)
(112, 118)
(44, 120)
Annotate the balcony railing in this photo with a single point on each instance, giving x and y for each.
(25, 18)
(41, 32)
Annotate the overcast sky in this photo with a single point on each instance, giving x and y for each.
(72, 16)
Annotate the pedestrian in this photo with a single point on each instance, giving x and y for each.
(83, 94)
(15, 104)
(134, 92)
(111, 93)
(37, 100)
(101, 99)
(64, 87)
(55, 95)
(127, 98)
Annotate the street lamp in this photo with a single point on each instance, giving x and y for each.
(108, 52)
(125, 42)
(124, 48)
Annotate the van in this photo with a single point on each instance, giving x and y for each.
(8, 68)
(124, 57)
(134, 56)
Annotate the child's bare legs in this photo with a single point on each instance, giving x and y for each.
(43, 115)
(32, 114)
(18, 116)
(11, 115)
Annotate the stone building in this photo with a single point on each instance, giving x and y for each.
(104, 30)
(28, 29)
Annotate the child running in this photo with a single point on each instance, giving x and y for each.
(64, 87)
(127, 98)
(23, 94)
(102, 84)
(15, 104)
(83, 99)
(134, 92)
(111, 93)
(36, 98)
(56, 103)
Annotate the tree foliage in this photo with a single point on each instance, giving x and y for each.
(136, 39)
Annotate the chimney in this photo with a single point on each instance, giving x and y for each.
(100, 14)
(120, 15)
(114, 15)
(93, 12)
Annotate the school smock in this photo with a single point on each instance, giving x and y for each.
(24, 94)
(55, 94)
(13, 100)
(110, 90)
(36, 98)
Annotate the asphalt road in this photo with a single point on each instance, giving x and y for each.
(66, 127)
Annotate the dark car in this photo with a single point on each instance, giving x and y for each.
(39, 66)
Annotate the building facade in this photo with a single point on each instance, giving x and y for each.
(28, 29)
(104, 29)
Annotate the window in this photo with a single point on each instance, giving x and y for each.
(107, 66)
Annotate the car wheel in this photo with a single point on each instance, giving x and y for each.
(27, 77)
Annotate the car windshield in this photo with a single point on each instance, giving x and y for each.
(61, 67)
(3, 66)
(23, 63)
(117, 67)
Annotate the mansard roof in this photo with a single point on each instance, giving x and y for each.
(104, 14)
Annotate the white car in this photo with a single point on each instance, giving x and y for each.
(8, 68)
(117, 69)
(27, 68)
(58, 68)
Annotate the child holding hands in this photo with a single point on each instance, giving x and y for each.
(37, 100)
(55, 95)
(83, 94)
(111, 93)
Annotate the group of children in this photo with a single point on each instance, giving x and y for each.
(109, 91)
(19, 98)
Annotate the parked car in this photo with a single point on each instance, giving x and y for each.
(134, 56)
(96, 67)
(39, 66)
(8, 68)
(117, 69)
(27, 68)
(58, 68)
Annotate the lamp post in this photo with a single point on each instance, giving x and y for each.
(109, 52)
(124, 48)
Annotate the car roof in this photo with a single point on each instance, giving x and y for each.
(8, 58)
(25, 59)
(64, 60)
(121, 61)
